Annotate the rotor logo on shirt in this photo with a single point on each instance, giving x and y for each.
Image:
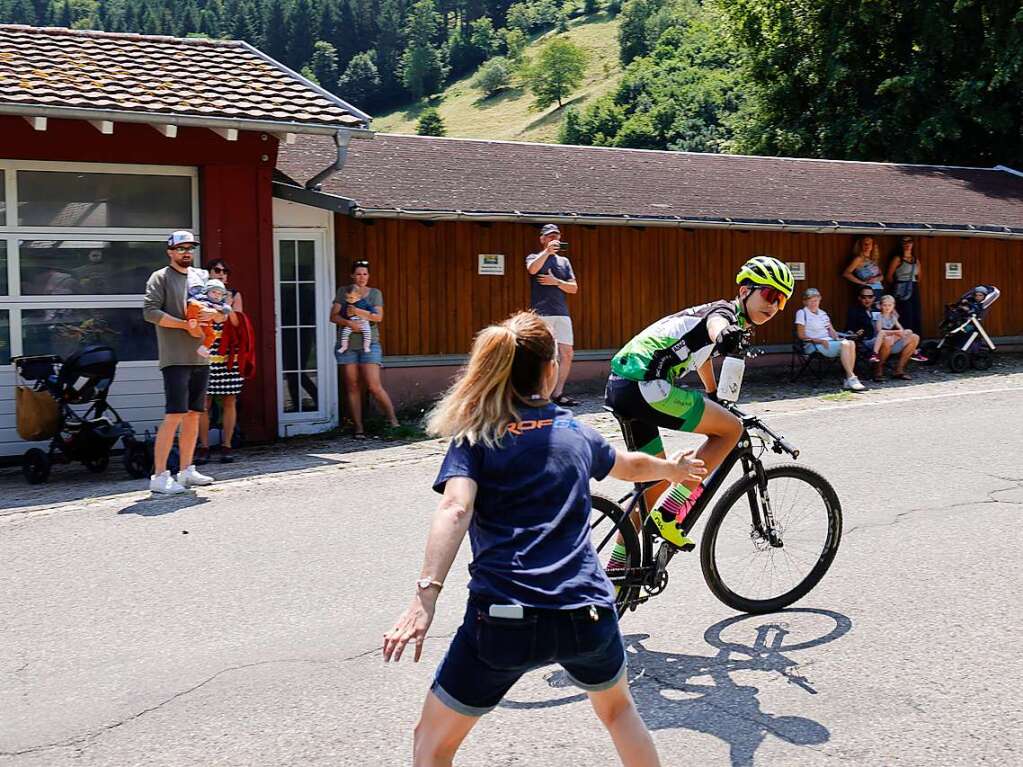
(518, 428)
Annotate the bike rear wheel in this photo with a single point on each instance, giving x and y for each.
(608, 522)
(739, 563)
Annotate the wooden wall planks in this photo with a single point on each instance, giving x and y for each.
(435, 301)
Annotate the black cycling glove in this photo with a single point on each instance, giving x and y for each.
(731, 339)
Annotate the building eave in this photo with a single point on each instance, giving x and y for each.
(188, 120)
(698, 222)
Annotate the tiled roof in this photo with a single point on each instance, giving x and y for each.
(413, 173)
(47, 67)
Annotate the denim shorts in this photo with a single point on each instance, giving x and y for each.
(356, 356)
(832, 350)
(488, 655)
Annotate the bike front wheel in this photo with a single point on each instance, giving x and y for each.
(756, 570)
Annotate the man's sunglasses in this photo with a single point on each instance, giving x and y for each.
(774, 296)
(867, 295)
(184, 248)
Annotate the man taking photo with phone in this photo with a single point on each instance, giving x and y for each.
(551, 277)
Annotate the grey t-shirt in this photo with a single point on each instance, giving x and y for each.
(374, 298)
(549, 300)
(166, 292)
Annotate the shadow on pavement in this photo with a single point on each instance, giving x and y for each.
(157, 506)
(73, 482)
(697, 692)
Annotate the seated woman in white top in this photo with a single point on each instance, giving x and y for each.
(813, 325)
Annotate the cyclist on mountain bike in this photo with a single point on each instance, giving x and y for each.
(642, 388)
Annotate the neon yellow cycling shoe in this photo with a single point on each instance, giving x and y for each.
(669, 531)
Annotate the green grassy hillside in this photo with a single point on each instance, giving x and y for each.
(510, 114)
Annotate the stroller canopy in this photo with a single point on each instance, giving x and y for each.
(93, 362)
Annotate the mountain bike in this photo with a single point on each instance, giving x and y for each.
(769, 540)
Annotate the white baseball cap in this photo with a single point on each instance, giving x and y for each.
(181, 237)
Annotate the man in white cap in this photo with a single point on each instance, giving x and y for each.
(185, 373)
(551, 277)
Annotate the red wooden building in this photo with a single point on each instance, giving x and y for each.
(110, 142)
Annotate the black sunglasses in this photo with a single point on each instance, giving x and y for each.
(221, 269)
(867, 295)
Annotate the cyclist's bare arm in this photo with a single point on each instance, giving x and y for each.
(641, 467)
(706, 373)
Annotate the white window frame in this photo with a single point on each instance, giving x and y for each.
(12, 234)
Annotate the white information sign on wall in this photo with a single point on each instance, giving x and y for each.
(491, 263)
(798, 269)
(953, 270)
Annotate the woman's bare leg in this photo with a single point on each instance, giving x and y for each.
(617, 711)
(439, 733)
(371, 374)
(353, 393)
(229, 404)
(204, 424)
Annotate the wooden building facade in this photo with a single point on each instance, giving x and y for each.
(630, 276)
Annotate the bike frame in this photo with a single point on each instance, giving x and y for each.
(743, 453)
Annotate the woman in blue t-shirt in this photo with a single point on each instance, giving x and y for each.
(516, 478)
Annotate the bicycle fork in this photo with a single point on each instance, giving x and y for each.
(764, 528)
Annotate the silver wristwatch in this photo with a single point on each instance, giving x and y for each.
(425, 583)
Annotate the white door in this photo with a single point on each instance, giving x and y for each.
(305, 359)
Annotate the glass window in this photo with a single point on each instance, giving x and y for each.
(5, 338)
(3, 200)
(61, 331)
(88, 267)
(49, 198)
(3, 268)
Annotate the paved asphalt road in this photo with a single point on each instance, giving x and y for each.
(242, 627)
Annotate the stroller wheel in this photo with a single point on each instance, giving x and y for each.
(35, 465)
(981, 361)
(137, 460)
(97, 464)
(959, 361)
(931, 351)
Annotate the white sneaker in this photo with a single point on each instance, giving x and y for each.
(191, 477)
(853, 384)
(165, 484)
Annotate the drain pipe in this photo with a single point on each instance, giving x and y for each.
(341, 139)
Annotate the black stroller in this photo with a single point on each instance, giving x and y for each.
(84, 378)
(964, 341)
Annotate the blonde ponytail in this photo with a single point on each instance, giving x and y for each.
(506, 364)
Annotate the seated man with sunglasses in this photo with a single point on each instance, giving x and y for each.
(643, 388)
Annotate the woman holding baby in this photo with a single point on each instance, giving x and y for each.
(354, 305)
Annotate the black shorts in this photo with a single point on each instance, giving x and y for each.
(184, 387)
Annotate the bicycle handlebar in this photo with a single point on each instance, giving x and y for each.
(752, 422)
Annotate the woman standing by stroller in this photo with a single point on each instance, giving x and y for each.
(903, 276)
(224, 383)
(516, 478)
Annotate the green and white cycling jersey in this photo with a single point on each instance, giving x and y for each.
(675, 344)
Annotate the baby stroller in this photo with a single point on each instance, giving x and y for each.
(84, 378)
(964, 342)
